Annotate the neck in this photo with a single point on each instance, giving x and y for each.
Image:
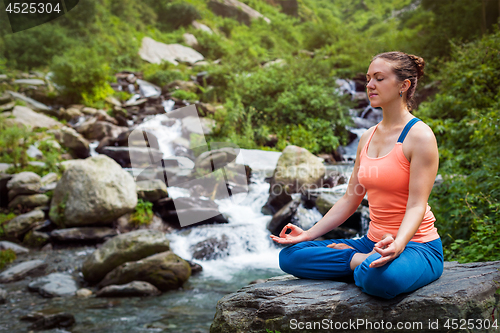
(395, 114)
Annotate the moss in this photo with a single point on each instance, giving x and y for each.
(6, 257)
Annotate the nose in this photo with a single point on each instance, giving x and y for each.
(370, 84)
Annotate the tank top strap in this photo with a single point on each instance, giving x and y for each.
(407, 129)
(369, 140)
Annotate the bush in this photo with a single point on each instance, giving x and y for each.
(6, 257)
(83, 75)
(172, 16)
(14, 142)
(143, 214)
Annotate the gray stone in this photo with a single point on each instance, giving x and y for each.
(151, 190)
(92, 191)
(136, 156)
(123, 248)
(54, 285)
(166, 271)
(196, 125)
(87, 234)
(49, 178)
(31, 82)
(31, 119)
(22, 270)
(283, 216)
(33, 188)
(21, 224)
(36, 238)
(45, 322)
(211, 248)
(237, 10)
(35, 105)
(70, 138)
(190, 40)
(7, 107)
(132, 289)
(200, 26)
(3, 296)
(156, 52)
(18, 249)
(29, 201)
(23, 178)
(463, 291)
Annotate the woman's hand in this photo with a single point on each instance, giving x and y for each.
(389, 249)
(296, 235)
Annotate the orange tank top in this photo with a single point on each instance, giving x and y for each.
(386, 180)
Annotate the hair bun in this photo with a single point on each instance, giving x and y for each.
(420, 63)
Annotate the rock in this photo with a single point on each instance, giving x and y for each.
(92, 191)
(166, 271)
(31, 82)
(201, 26)
(123, 248)
(3, 296)
(179, 85)
(54, 285)
(464, 290)
(211, 248)
(73, 140)
(147, 89)
(151, 190)
(21, 224)
(91, 111)
(83, 293)
(7, 107)
(49, 178)
(283, 216)
(329, 197)
(31, 119)
(33, 188)
(22, 270)
(36, 239)
(195, 268)
(113, 101)
(132, 289)
(133, 156)
(29, 201)
(45, 322)
(47, 248)
(86, 234)
(4, 245)
(102, 115)
(196, 125)
(34, 152)
(69, 113)
(92, 129)
(297, 171)
(32, 104)
(216, 157)
(190, 40)
(235, 9)
(156, 52)
(23, 178)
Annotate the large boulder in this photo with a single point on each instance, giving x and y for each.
(237, 10)
(156, 52)
(283, 303)
(92, 191)
(166, 271)
(297, 171)
(123, 248)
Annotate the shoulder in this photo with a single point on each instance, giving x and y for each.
(421, 142)
(421, 134)
(364, 137)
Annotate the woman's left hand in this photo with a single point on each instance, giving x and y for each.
(389, 249)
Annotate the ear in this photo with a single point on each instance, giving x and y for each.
(405, 85)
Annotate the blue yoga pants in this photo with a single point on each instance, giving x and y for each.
(418, 265)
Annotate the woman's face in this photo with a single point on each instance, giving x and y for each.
(382, 85)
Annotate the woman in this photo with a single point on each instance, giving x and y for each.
(396, 164)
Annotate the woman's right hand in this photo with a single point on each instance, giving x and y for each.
(296, 235)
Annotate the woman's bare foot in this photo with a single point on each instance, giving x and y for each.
(358, 258)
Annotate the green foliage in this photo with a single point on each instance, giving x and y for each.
(143, 214)
(14, 142)
(4, 218)
(162, 74)
(174, 15)
(185, 95)
(84, 74)
(6, 257)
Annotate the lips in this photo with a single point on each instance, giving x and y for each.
(372, 95)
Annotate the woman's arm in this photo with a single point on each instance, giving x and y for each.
(337, 215)
(424, 161)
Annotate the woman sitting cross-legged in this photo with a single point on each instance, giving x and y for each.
(396, 164)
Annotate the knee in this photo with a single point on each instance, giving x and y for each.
(286, 260)
(377, 281)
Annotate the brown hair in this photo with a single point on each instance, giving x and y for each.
(405, 66)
